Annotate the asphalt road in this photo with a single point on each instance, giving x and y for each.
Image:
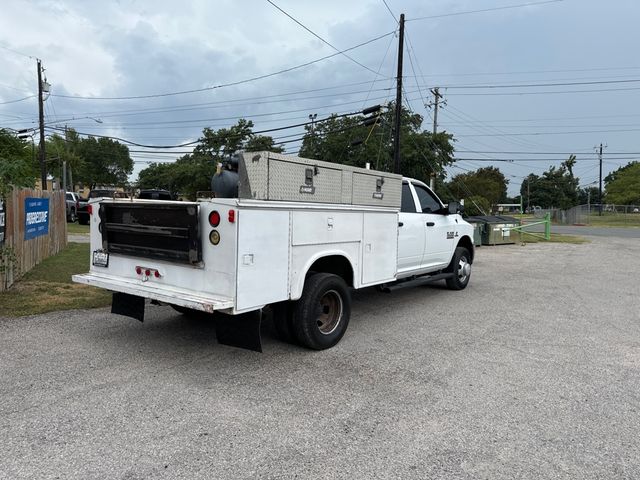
(532, 372)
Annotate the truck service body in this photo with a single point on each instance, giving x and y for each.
(296, 246)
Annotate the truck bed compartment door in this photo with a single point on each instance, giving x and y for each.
(263, 258)
(380, 247)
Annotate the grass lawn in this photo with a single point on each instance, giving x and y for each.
(77, 229)
(614, 220)
(48, 286)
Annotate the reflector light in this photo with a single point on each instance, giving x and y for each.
(214, 237)
(214, 219)
(90, 209)
(147, 272)
(232, 216)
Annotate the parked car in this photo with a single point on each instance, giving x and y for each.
(73, 203)
(83, 211)
(155, 194)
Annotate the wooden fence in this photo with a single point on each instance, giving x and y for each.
(22, 255)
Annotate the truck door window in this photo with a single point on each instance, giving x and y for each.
(408, 205)
(428, 202)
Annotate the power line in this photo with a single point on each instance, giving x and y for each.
(389, 9)
(18, 100)
(544, 93)
(234, 117)
(231, 103)
(549, 84)
(551, 133)
(541, 153)
(205, 105)
(17, 52)
(483, 10)
(526, 72)
(535, 159)
(341, 52)
(229, 84)
(129, 142)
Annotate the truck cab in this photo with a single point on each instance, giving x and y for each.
(427, 230)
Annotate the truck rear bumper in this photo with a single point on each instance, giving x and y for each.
(174, 296)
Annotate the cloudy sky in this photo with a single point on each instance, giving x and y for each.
(524, 86)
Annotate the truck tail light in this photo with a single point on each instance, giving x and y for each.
(147, 272)
(214, 218)
(232, 216)
(214, 237)
(90, 209)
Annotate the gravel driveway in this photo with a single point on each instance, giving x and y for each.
(532, 372)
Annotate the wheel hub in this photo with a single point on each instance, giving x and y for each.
(330, 312)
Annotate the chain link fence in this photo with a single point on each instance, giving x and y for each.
(607, 215)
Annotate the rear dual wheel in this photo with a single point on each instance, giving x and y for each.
(320, 318)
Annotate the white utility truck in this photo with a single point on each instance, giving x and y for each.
(297, 236)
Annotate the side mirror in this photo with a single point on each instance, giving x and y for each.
(454, 207)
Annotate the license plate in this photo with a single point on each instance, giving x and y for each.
(100, 259)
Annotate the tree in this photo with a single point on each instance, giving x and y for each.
(588, 195)
(192, 172)
(557, 187)
(623, 185)
(476, 205)
(346, 140)
(488, 183)
(104, 161)
(64, 149)
(17, 164)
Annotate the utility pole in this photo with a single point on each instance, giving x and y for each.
(436, 102)
(312, 117)
(41, 151)
(396, 137)
(600, 182)
(64, 161)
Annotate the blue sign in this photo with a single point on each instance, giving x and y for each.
(36, 217)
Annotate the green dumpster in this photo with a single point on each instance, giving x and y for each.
(497, 229)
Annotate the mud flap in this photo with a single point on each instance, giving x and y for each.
(242, 331)
(128, 305)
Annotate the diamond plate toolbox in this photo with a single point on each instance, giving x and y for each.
(272, 176)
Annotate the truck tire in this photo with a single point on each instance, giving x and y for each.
(461, 268)
(321, 316)
(282, 314)
(72, 216)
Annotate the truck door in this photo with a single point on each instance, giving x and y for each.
(441, 229)
(411, 232)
